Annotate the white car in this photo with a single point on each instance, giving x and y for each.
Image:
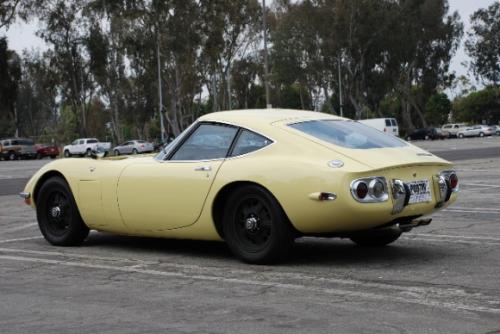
(84, 146)
(134, 147)
(454, 128)
(387, 125)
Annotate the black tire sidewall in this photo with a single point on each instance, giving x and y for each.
(77, 230)
(280, 239)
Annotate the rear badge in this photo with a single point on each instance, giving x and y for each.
(336, 163)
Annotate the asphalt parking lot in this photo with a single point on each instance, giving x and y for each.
(442, 278)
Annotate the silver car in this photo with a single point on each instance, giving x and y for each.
(133, 147)
(476, 131)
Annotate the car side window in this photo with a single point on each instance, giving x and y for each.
(207, 142)
(393, 122)
(248, 142)
(81, 142)
(387, 122)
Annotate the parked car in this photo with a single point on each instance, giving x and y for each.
(17, 148)
(496, 129)
(427, 133)
(85, 146)
(475, 131)
(387, 125)
(256, 179)
(134, 147)
(487, 130)
(453, 128)
(44, 150)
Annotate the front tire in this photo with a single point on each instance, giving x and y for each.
(67, 154)
(376, 238)
(134, 151)
(255, 227)
(58, 216)
(116, 152)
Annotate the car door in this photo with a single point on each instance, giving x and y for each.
(157, 195)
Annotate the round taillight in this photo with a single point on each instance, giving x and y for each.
(377, 188)
(453, 181)
(361, 190)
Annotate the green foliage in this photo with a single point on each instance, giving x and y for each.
(483, 44)
(437, 109)
(480, 106)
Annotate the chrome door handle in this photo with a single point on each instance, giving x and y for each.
(203, 169)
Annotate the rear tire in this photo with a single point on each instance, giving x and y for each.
(481, 134)
(58, 217)
(255, 227)
(116, 152)
(12, 156)
(376, 238)
(88, 153)
(134, 151)
(460, 135)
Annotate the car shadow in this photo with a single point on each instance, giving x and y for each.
(306, 251)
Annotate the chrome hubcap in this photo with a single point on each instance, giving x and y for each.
(251, 223)
(55, 212)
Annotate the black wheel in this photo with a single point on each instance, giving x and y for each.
(116, 152)
(255, 227)
(460, 135)
(53, 156)
(39, 156)
(58, 216)
(376, 238)
(134, 151)
(67, 154)
(12, 156)
(481, 134)
(88, 153)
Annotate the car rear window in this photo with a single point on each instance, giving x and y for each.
(348, 134)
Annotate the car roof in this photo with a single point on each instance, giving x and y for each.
(255, 117)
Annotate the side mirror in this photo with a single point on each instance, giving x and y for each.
(98, 153)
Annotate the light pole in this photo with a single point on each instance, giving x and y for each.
(160, 96)
(340, 90)
(266, 69)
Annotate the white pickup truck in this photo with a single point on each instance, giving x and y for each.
(85, 146)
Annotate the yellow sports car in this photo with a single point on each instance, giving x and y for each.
(257, 179)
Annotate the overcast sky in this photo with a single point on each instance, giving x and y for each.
(22, 36)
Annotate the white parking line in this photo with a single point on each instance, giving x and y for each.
(17, 228)
(20, 239)
(481, 185)
(469, 211)
(426, 235)
(408, 297)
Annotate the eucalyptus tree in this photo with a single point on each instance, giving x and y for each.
(483, 43)
(10, 75)
(424, 37)
(230, 29)
(65, 29)
(37, 105)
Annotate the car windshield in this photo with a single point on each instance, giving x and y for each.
(349, 134)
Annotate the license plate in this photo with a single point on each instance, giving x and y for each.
(420, 192)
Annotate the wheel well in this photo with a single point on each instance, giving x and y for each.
(220, 201)
(42, 180)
